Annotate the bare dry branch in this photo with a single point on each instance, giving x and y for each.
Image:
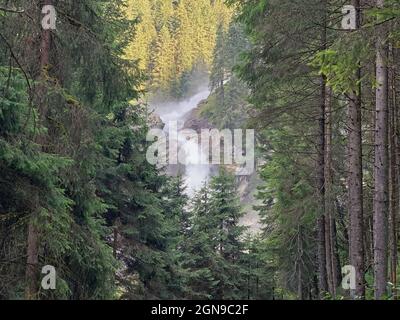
(9, 10)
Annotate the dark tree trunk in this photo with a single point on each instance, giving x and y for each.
(332, 260)
(354, 180)
(381, 165)
(32, 262)
(393, 189)
(321, 222)
(323, 263)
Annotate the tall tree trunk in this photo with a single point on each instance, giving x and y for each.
(394, 173)
(332, 260)
(32, 262)
(32, 267)
(354, 180)
(393, 185)
(321, 222)
(322, 272)
(328, 191)
(336, 266)
(381, 165)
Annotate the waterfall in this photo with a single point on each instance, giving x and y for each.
(195, 173)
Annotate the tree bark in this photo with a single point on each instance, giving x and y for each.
(395, 158)
(332, 260)
(323, 264)
(321, 222)
(393, 188)
(354, 180)
(355, 201)
(328, 192)
(380, 220)
(32, 262)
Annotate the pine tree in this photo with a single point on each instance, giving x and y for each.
(175, 206)
(228, 245)
(215, 247)
(87, 149)
(199, 253)
(145, 33)
(227, 107)
(381, 182)
(164, 60)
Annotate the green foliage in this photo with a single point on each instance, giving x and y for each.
(227, 106)
(90, 177)
(30, 181)
(285, 101)
(340, 63)
(73, 157)
(215, 251)
(288, 213)
(174, 40)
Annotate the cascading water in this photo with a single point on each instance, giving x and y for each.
(196, 172)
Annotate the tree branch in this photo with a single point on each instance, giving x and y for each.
(16, 60)
(12, 10)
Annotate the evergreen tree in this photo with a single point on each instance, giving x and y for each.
(216, 245)
(199, 252)
(227, 107)
(164, 60)
(175, 205)
(226, 212)
(141, 44)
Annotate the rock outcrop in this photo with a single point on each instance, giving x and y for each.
(194, 120)
(155, 121)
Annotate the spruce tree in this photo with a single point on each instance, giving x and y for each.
(226, 213)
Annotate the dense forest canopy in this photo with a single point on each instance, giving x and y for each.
(317, 79)
(175, 40)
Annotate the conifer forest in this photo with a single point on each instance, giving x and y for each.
(199, 149)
